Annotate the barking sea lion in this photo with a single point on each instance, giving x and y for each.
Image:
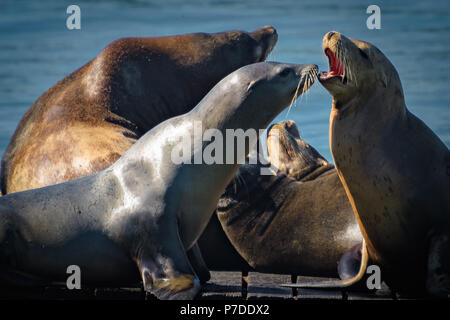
(394, 169)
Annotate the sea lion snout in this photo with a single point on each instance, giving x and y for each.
(329, 35)
(291, 127)
(350, 66)
(289, 153)
(267, 38)
(305, 69)
(331, 38)
(306, 73)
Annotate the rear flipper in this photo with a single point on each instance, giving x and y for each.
(350, 262)
(438, 273)
(198, 264)
(349, 267)
(165, 268)
(350, 270)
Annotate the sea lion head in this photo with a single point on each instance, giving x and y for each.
(272, 85)
(231, 48)
(289, 153)
(266, 37)
(248, 100)
(355, 68)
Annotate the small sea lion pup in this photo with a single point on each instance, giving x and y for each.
(149, 207)
(395, 170)
(301, 224)
(86, 121)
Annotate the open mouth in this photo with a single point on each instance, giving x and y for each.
(336, 68)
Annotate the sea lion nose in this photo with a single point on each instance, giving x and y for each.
(267, 38)
(266, 31)
(305, 69)
(330, 34)
(292, 128)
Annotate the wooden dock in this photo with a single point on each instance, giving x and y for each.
(222, 286)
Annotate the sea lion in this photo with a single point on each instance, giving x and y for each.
(85, 122)
(147, 208)
(394, 169)
(288, 165)
(90, 118)
(300, 224)
(217, 251)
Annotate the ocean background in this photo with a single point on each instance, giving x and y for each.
(37, 50)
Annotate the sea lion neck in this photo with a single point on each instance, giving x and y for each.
(215, 108)
(379, 103)
(311, 172)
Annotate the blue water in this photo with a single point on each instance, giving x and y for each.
(37, 50)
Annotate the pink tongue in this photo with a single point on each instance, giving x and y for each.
(337, 68)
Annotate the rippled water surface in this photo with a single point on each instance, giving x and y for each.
(37, 50)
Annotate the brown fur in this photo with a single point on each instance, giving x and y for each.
(279, 224)
(393, 168)
(90, 118)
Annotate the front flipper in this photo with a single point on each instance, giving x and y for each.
(344, 283)
(198, 264)
(165, 268)
(438, 273)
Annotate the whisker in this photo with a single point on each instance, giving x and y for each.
(343, 58)
(294, 97)
(308, 81)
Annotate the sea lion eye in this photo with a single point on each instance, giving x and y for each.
(364, 55)
(285, 72)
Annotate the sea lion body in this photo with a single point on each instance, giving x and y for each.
(301, 223)
(148, 206)
(45, 230)
(217, 251)
(393, 167)
(85, 122)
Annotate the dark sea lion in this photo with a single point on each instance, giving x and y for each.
(278, 224)
(394, 169)
(217, 251)
(85, 122)
(146, 209)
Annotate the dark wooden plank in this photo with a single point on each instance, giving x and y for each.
(62, 293)
(222, 285)
(267, 286)
(366, 296)
(308, 293)
(382, 294)
(319, 294)
(119, 294)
